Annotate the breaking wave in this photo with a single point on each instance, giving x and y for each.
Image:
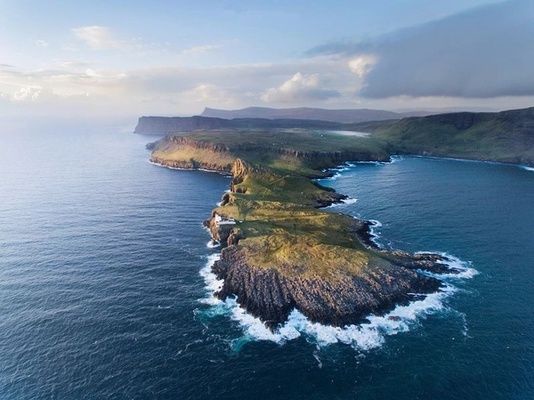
(337, 171)
(364, 336)
(373, 235)
(347, 201)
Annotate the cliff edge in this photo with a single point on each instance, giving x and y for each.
(281, 250)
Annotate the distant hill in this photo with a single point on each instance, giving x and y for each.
(305, 113)
(167, 125)
(154, 125)
(506, 136)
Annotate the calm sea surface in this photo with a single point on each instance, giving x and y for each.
(100, 291)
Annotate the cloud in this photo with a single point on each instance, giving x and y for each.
(299, 87)
(206, 94)
(177, 90)
(196, 50)
(362, 64)
(482, 53)
(41, 43)
(77, 88)
(26, 94)
(43, 84)
(98, 37)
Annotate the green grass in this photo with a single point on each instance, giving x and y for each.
(275, 201)
(503, 137)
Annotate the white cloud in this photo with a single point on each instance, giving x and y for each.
(98, 37)
(76, 88)
(26, 94)
(196, 50)
(362, 64)
(206, 93)
(300, 87)
(41, 43)
(43, 84)
(485, 52)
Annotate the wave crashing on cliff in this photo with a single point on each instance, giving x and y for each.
(364, 336)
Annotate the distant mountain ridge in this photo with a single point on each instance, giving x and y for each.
(266, 118)
(506, 136)
(308, 113)
(167, 125)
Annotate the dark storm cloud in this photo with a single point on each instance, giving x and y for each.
(485, 52)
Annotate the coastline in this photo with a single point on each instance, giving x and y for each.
(243, 291)
(212, 171)
(528, 167)
(366, 236)
(366, 335)
(370, 333)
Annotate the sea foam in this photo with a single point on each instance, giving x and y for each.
(459, 269)
(364, 336)
(347, 201)
(373, 234)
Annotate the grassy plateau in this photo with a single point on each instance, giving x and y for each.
(282, 250)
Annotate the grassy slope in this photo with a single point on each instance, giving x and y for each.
(279, 223)
(507, 136)
(265, 148)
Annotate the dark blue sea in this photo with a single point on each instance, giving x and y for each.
(102, 297)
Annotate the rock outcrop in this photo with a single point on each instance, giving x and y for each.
(213, 150)
(280, 250)
(393, 277)
(271, 296)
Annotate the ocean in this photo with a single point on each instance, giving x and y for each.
(105, 291)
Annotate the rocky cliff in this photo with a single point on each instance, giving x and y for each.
(340, 297)
(280, 249)
(506, 136)
(167, 125)
(271, 295)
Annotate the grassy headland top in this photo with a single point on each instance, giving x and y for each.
(281, 251)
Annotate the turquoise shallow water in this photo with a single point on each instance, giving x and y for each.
(100, 290)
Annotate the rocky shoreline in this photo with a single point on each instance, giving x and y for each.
(280, 250)
(270, 296)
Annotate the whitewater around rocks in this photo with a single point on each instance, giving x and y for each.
(364, 336)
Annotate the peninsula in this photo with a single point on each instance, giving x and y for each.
(281, 250)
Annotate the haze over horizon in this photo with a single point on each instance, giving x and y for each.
(105, 59)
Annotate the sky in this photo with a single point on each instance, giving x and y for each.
(128, 58)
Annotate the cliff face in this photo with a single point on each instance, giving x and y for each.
(506, 136)
(185, 153)
(271, 293)
(280, 250)
(271, 296)
(170, 125)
